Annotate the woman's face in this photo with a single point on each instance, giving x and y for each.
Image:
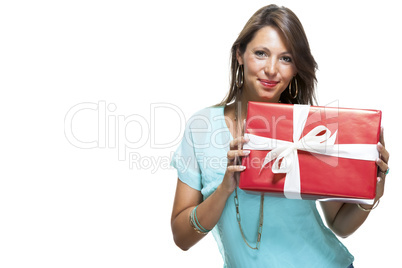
(268, 66)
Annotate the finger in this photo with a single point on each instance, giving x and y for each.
(380, 177)
(380, 180)
(384, 154)
(237, 142)
(380, 187)
(237, 168)
(232, 154)
(382, 165)
(234, 142)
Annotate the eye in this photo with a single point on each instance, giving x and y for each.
(260, 53)
(286, 59)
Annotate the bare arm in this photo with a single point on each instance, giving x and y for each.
(210, 210)
(208, 213)
(343, 218)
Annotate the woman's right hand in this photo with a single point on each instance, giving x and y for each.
(234, 165)
(209, 210)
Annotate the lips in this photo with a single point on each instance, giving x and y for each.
(268, 83)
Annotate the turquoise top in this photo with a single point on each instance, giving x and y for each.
(293, 234)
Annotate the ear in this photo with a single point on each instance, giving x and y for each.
(239, 57)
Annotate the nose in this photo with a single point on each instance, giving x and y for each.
(271, 67)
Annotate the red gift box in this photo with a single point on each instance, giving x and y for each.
(311, 152)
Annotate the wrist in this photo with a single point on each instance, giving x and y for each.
(224, 191)
(365, 206)
(368, 208)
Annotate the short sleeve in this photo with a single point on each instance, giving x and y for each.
(185, 161)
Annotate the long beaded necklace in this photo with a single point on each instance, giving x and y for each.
(238, 129)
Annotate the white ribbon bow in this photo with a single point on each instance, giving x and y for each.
(310, 143)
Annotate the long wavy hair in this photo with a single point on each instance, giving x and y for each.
(295, 37)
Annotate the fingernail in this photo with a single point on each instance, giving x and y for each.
(242, 167)
(379, 144)
(246, 152)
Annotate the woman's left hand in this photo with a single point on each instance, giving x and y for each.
(340, 217)
(382, 163)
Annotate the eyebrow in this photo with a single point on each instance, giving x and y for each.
(267, 49)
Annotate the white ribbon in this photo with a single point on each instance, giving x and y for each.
(285, 152)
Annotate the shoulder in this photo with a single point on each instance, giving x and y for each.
(209, 111)
(206, 117)
(207, 125)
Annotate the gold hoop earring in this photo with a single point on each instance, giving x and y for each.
(239, 76)
(290, 88)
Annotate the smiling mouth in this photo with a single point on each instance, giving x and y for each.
(268, 83)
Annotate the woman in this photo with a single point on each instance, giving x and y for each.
(271, 62)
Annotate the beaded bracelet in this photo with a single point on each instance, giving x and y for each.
(196, 224)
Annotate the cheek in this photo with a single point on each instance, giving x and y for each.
(253, 66)
(287, 72)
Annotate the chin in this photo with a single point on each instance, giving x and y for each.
(269, 98)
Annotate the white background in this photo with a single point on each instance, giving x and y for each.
(65, 206)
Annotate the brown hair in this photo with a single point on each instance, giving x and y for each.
(288, 23)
